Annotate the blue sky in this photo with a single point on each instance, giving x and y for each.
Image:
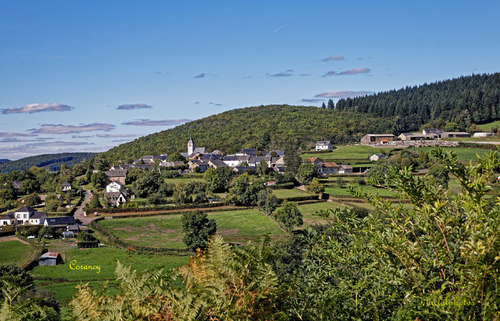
(66, 67)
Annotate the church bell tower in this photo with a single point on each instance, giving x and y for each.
(191, 145)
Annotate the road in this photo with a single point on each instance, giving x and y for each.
(79, 211)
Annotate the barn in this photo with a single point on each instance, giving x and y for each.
(49, 259)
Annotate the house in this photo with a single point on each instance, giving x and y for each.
(116, 198)
(202, 165)
(171, 164)
(16, 185)
(376, 157)
(415, 136)
(213, 200)
(114, 187)
(377, 138)
(247, 151)
(117, 176)
(25, 215)
(279, 153)
(328, 168)
(316, 161)
(483, 134)
(216, 163)
(323, 145)
(454, 134)
(60, 222)
(65, 186)
(44, 197)
(49, 259)
(345, 169)
(233, 160)
(433, 131)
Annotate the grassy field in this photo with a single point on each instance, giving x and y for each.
(182, 180)
(308, 210)
(350, 152)
(285, 193)
(14, 252)
(464, 154)
(487, 127)
(337, 191)
(165, 231)
(106, 259)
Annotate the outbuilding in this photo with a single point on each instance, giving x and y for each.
(49, 259)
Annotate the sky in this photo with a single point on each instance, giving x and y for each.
(90, 75)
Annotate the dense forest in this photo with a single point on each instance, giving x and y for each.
(51, 162)
(464, 101)
(263, 127)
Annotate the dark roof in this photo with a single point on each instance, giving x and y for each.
(9, 216)
(17, 184)
(39, 215)
(323, 142)
(249, 151)
(25, 209)
(63, 220)
(116, 173)
(211, 156)
(65, 183)
(236, 158)
(242, 168)
(379, 154)
(218, 163)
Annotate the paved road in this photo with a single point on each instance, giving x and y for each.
(79, 211)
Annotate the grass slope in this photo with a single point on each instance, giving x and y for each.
(245, 127)
(165, 231)
(14, 252)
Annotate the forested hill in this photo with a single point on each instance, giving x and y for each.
(263, 127)
(465, 100)
(52, 162)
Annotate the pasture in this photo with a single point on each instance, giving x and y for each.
(165, 231)
(15, 252)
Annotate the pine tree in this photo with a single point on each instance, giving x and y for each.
(331, 105)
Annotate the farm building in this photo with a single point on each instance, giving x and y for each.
(377, 138)
(454, 134)
(483, 134)
(415, 136)
(49, 259)
(323, 145)
(376, 157)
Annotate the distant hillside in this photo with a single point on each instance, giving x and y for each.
(4, 161)
(464, 100)
(264, 127)
(52, 162)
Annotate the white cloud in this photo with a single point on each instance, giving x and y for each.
(343, 94)
(36, 108)
(71, 129)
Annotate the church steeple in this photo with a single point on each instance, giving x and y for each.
(191, 145)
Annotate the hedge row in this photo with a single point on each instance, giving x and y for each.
(180, 212)
(87, 245)
(156, 208)
(475, 145)
(282, 186)
(301, 198)
(136, 248)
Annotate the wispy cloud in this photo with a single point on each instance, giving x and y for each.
(12, 134)
(148, 122)
(202, 75)
(313, 100)
(216, 104)
(329, 73)
(161, 73)
(121, 140)
(116, 135)
(305, 75)
(343, 94)
(36, 108)
(80, 136)
(282, 74)
(62, 143)
(333, 57)
(22, 140)
(354, 71)
(133, 106)
(71, 129)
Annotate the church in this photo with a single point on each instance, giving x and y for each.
(192, 149)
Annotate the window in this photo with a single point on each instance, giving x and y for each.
(18, 215)
(24, 216)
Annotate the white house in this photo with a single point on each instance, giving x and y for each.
(233, 160)
(65, 186)
(323, 145)
(25, 215)
(114, 187)
(376, 157)
(345, 169)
